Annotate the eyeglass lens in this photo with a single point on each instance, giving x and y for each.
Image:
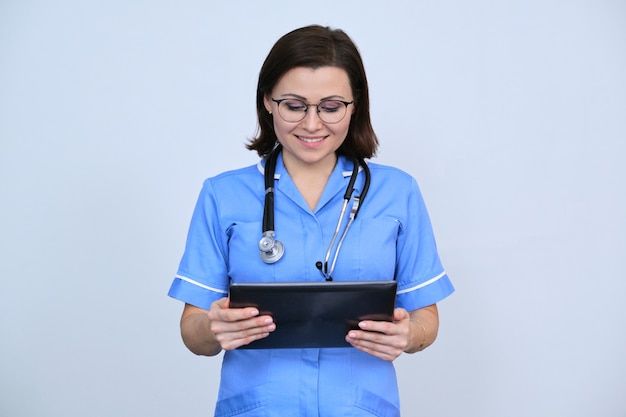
(330, 111)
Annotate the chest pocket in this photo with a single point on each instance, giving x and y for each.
(244, 262)
(369, 250)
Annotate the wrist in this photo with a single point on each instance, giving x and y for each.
(419, 337)
(422, 344)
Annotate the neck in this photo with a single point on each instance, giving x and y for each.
(319, 169)
(310, 179)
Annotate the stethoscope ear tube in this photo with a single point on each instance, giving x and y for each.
(268, 208)
(366, 184)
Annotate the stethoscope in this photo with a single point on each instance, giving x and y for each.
(271, 250)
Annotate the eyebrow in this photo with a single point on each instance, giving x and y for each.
(304, 99)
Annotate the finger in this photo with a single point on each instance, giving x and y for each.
(386, 327)
(233, 339)
(374, 327)
(380, 351)
(377, 340)
(221, 311)
(237, 314)
(230, 344)
(243, 325)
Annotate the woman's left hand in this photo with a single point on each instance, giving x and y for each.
(407, 333)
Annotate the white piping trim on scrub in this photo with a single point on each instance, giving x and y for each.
(191, 281)
(349, 173)
(423, 284)
(261, 169)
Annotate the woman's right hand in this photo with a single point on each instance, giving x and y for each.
(208, 332)
(235, 327)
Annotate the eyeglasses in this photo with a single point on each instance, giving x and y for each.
(293, 110)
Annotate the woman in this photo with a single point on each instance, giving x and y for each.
(313, 113)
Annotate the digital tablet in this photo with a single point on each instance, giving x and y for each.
(315, 314)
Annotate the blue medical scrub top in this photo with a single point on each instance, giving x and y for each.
(391, 238)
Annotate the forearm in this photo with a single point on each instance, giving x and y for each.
(424, 326)
(196, 332)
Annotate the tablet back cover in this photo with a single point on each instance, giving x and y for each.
(315, 314)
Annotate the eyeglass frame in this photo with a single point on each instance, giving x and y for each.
(317, 109)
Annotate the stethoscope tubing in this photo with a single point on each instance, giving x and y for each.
(268, 206)
(271, 250)
(356, 206)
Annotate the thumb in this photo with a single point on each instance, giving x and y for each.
(223, 302)
(400, 314)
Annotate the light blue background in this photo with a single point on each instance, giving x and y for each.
(511, 115)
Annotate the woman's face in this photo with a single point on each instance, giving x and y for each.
(311, 141)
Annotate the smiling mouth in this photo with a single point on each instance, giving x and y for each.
(311, 140)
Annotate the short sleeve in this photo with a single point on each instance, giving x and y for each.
(422, 280)
(202, 276)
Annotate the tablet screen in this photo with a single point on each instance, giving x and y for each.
(315, 314)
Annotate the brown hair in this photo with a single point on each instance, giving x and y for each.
(314, 47)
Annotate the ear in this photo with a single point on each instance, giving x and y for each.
(267, 103)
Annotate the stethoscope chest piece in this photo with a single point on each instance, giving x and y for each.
(271, 250)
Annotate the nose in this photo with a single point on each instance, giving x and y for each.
(312, 121)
